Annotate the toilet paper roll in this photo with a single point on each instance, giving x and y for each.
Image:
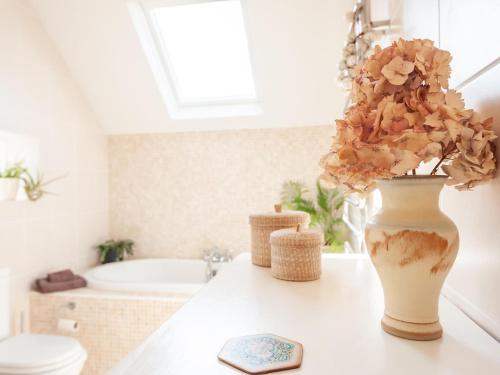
(67, 325)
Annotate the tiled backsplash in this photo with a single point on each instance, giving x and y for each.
(109, 325)
(178, 193)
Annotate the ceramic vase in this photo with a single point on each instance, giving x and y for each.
(412, 245)
(8, 189)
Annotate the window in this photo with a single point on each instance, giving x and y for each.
(200, 57)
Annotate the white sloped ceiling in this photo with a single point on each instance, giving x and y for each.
(295, 44)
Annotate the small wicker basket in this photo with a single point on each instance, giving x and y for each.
(296, 254)
(263, 225)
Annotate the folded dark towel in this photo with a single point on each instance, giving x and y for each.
(45, 286)
(64, 275)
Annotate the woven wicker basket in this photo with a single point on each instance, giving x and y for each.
(296, 254)
(263, 225)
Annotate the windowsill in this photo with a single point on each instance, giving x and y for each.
(214, 111)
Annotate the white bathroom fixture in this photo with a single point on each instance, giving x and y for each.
(182, 276)
(35, 354)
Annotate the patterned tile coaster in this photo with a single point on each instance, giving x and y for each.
(261, 354)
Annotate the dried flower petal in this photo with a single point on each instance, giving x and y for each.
(433, 120)
(406, 161)
(404, 115)
(397, 70)
(453, 127)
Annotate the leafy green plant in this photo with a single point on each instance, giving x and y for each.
(326, 210)
(15, 170)
(115, 250)
(34, 186)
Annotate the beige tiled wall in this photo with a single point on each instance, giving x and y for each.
(110, 325)
(39, 99)
(178, 193)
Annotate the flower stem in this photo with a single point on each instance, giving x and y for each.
(435, 169)
(443, 158)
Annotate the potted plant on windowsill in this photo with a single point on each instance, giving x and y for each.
(115, 250)
(403, 115)
(9, 181)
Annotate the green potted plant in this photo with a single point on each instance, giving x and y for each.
(115, 250)
(35, 186)
(326, 211)
(9, 181)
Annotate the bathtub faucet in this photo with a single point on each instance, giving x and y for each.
(215, 256)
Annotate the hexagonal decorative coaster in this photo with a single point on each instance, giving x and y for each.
(261, 354)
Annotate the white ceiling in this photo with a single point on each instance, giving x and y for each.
(295, 44)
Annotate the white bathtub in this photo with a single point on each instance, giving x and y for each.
(150, 275)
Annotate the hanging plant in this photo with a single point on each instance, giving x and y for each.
(35, 186)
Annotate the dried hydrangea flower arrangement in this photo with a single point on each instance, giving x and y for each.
(404, 115)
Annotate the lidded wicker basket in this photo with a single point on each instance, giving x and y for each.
(264, 224)
(296, 254)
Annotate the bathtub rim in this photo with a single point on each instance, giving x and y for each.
(96, 283)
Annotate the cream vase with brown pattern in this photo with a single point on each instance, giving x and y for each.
(413, 246)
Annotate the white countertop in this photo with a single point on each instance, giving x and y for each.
(336, 318)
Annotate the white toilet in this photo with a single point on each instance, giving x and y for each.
(35, 354)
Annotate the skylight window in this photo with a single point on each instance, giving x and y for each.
(202, 60)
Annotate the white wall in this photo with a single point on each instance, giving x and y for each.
(39, 99)
(469, 30)
(296, 45)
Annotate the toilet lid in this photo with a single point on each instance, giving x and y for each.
(22, 353)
